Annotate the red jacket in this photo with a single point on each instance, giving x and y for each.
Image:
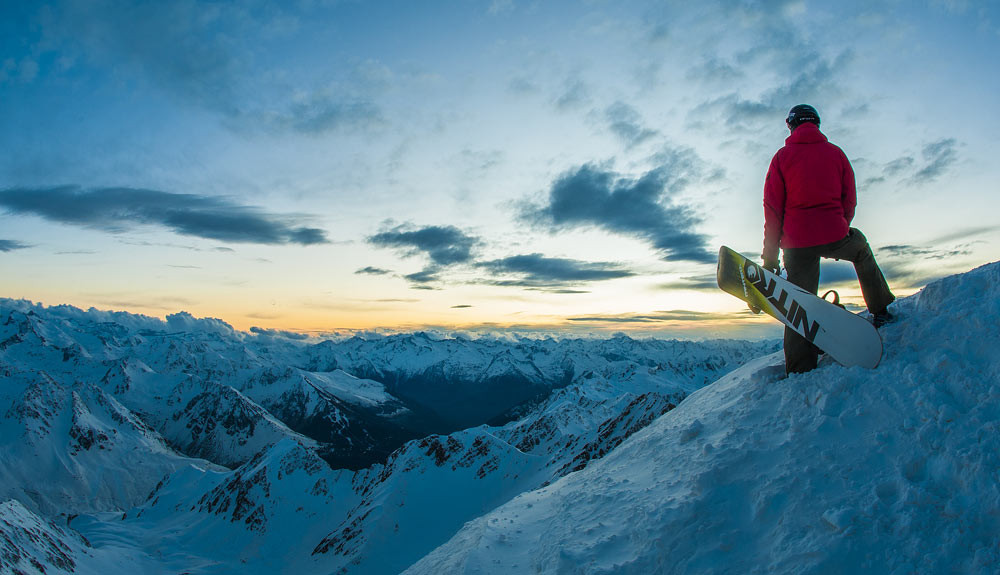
(809, 194)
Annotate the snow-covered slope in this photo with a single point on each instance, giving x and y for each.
(103, 413)
(74, 450)
(630, 464)
(430, 487)
(263, 517)
(32, 545)
(841, 470)
(386, 517)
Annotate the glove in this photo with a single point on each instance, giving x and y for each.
(772, 266)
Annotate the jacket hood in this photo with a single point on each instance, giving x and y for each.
(807, 133)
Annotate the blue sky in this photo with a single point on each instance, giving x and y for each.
(566, 167)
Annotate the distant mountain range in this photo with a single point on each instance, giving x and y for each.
(360, 455)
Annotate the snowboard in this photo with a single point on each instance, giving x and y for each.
(846, 337)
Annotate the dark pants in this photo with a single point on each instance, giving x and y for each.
(802, 265)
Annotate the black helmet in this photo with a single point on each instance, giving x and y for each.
(802, 113)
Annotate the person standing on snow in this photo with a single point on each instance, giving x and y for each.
(809, 201)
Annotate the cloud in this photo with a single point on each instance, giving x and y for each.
(964, 234)
(938, 157)
(23, 71)
(663, 317)
(625, 122)
(427, 276)
(278, 333)
(185, 322)
(447, 248)
(315, 114)
(373, 271)
(343, 104)
(213, 56)
(714, 70)
(591, 197)
(186, 48)
(498, 7)
(912, 266)
(443, 245)
(132, 321)
(951, 6)
(119, 209)
(462, 306)
(732, 110)
(11, 245)
(575, 94)
(813, 80)
(898, 166)
(894, 169)
(915, 252)
(702, 282)
(810, 76)
(523, 85)
(148, 301)
(908, 274)
(536, 270)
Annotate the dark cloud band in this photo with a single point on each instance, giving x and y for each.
(447, 247)
(671, 316)
(373, 271)
(120, 209)
(536, 270)
(444, 245)
(642, 208)
(11, 245)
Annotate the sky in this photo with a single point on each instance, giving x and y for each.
(339, 166)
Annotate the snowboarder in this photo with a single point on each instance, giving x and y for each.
(809, 201)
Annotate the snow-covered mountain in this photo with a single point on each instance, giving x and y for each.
(841, 470)
(154, 440)
(30, 544)
(77, 449)
(223, 395)
(467, 382)
(640, 456)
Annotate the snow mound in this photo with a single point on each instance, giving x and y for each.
(841, 470)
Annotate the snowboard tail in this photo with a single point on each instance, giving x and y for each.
(846, 337)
